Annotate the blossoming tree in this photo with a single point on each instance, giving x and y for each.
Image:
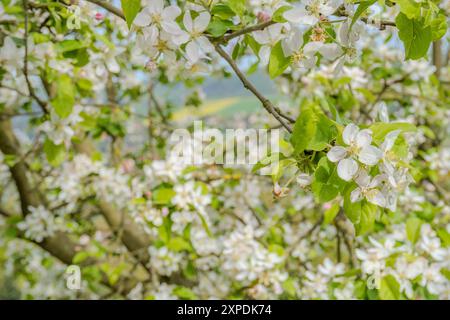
(357, 201)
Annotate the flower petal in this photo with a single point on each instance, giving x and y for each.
(330, 51)
(201, 22)
(171, 12)
(311, 48)
(370, 155)
(204, 43)
(356, 195)
(350, 132)
(142, 19)
(264, 54)
(180, 38)
(347, 168)
(362, 178)
(192, 52)
(187, 21)
(304, 179)
(389, 140)
(376, 197)
(363, 138)
(171, 27)
(261, 36)
(155, 6)
(295, 15)
(336, 153)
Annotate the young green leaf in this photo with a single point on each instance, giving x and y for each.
(415, 35)
(413, 225)
(331, 213)
(363, 6)
(313, 130)
(130, 10)
(55, 153)
(65, 96)
(381, 129)
(389, 288)
(277, 61)
(409, 7)
(326, 183)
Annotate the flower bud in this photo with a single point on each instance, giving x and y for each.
(99, 16)
(151, 65)
(263, 16)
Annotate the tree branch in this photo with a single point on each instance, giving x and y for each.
(260, 26)
(108, 7)
(40, 102)
(437, 57)
(267, 104)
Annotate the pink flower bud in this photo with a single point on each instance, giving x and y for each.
(148, 194)
(326, 206)
(263, 16)
(128, 165)
(99, 16)
(151, 65)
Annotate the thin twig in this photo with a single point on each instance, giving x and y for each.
(304, 236)
(267, 104)
(256, 27)
(41, 103)
(158, 107)
(109, 7)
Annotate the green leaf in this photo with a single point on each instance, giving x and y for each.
(381, 129)
(55, 153)
(252, 43)
(331, 213)
(217, 27)
(367, 218)
(130, 10)
(238, 6)
(444, 236)
(278, 14)
(65, 96)
(326, 183)
(413, 226)
(184, 293)
(416, 37)
(439, 27)
(80, 257)
(164, 230)
(409, 7)
(363, 6)
(313, 130)
(389, 288)
(361, 213)
(163, 196)
(289, 287)
(178, 244)
(277, 61)
(222, 11)
(69, 45)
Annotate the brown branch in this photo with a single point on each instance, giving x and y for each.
(158, 107)
(382, 24)
(267, 104)
(260, 26)
(338, 244)
(40, 102)
(304, 236)
(108, 7)
(437, 57)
